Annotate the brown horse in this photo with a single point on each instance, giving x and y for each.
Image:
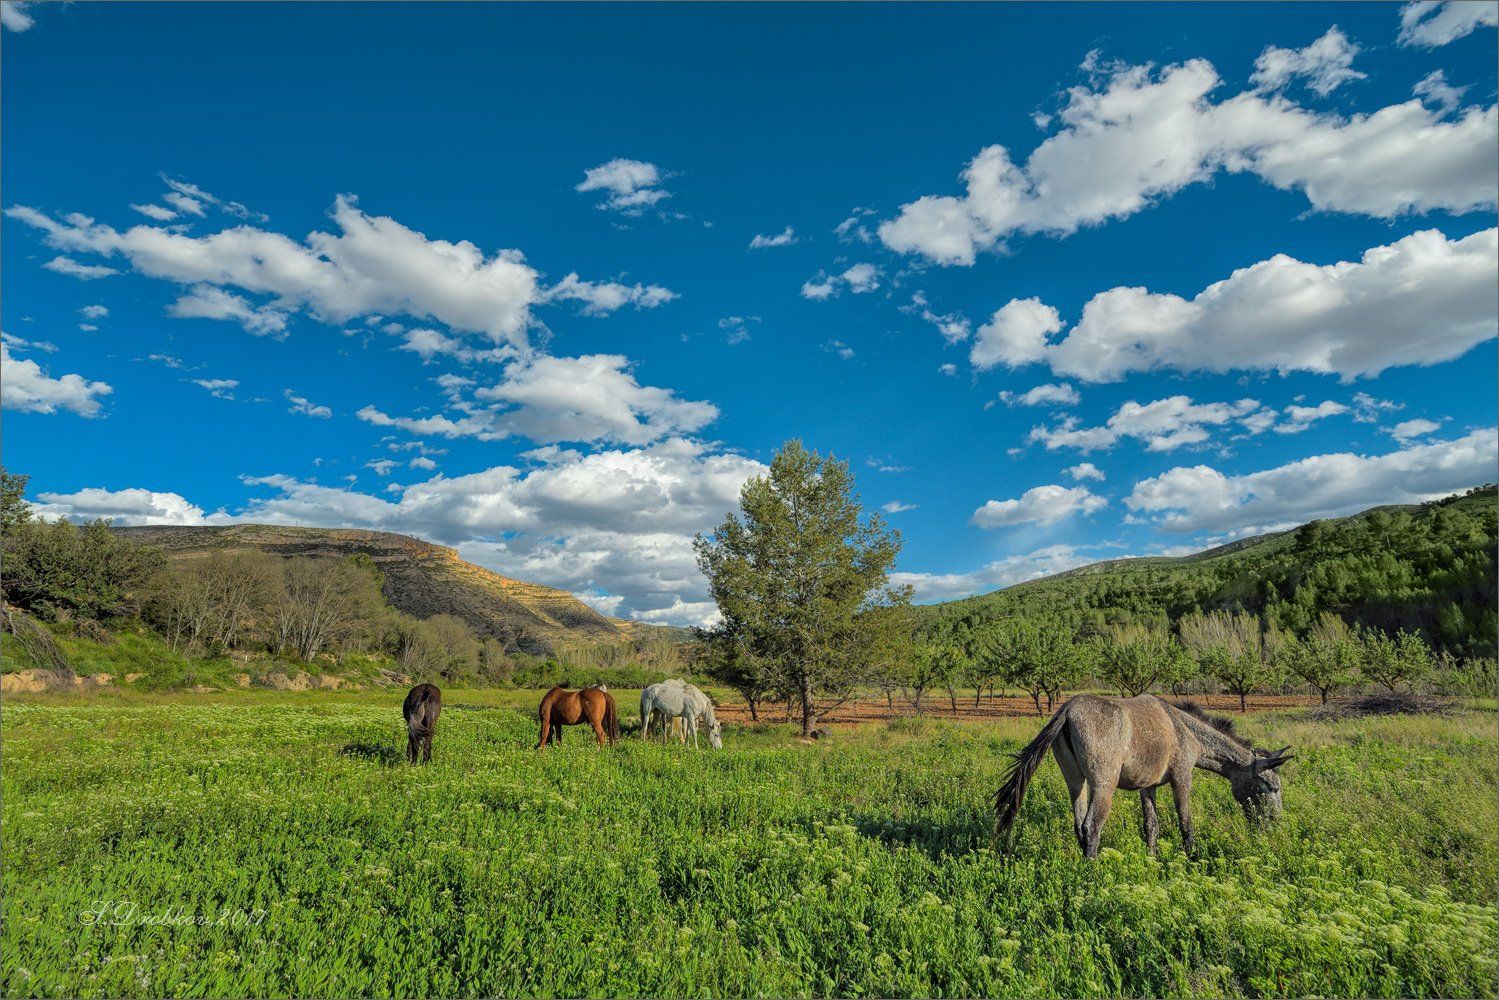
(423, 706)
(561, 707)
(1140, 744)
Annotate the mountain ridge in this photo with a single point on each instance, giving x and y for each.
(421, 578)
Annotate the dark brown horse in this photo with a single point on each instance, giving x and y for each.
(561, 707)
(423, 706)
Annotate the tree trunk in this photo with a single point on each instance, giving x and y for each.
(890, 700)
(754, 716)
(807, 717)
(1037, 696)
(1243, 705)
(916, 702)
(952, 696)
(1324, 695)
(978, 693)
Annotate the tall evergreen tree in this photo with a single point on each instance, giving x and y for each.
(801, 578)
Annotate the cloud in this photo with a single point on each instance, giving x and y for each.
(19, 344)
(1433, 87)
(947, 369)
(422, 462)
(858, 279)
(1039, 505)
(304, 407)
(94, 312)
(1430, 23)
(1299, 418)
(784, 238)
(1043, 395)
(1085, 470)
(183, 204)
(611, 523)
(208, 302)
(158, 212)
(1421, 300)
(1408, 430)
(631, 185)
(372, 265)
(1015, 335)
(600, 298)
(1163, 425)
(898, 507)
(839, 348)
(125, 507)
(1326, 64)
(595, 397)
(1147, 135)
(736, 328)
(1200, 498)
(953, 326)
(432, 344)
(24, 386)
(15, 15)
(1006, 572)
(218, 388)
(853, 230)
(83, 272)
(382, 466)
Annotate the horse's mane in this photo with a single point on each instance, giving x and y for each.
(1221, 723)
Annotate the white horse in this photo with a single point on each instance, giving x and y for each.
(676, 699)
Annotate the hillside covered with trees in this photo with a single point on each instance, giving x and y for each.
(1426, 569)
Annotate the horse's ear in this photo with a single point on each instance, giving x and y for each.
(1271, 761)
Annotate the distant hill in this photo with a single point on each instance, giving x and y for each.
(422, 579)
(1427, 567)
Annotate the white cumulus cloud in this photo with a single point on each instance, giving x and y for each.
(1038, 505)
(1430, 23)
(1200, 498)
(1421, 300)
(1147, 135)
(26, 387)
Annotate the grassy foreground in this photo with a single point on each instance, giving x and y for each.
(262, 844)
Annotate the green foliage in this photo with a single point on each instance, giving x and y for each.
(14, 510)
(855, 868)
(1134, 660)
(1428, 570)
(797, 573)
(59, 569)
(1394, 660)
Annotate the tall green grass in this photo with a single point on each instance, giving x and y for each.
(855, 866)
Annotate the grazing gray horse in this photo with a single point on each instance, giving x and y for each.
(1139, 744)
(676, 699)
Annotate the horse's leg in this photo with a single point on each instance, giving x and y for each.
(689, 725)
(596, 719)
(1076, 786)
(1100, 801)
(1152, 825)
(546, 731)
(410, 748)
(427, 749)
(1181, 791)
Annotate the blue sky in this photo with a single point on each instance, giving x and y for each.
(1062, 283)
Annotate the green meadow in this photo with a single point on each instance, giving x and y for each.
(273, 844)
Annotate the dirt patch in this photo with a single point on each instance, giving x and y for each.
(1384, 704)
(853, 713)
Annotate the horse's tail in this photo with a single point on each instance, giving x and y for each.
(1007, 800)
(611, 718)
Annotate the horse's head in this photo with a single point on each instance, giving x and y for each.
(1256, 786)
(715, 736)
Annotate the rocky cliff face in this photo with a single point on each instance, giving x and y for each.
(421, 579)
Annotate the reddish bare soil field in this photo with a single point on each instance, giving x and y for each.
(1005, 706)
